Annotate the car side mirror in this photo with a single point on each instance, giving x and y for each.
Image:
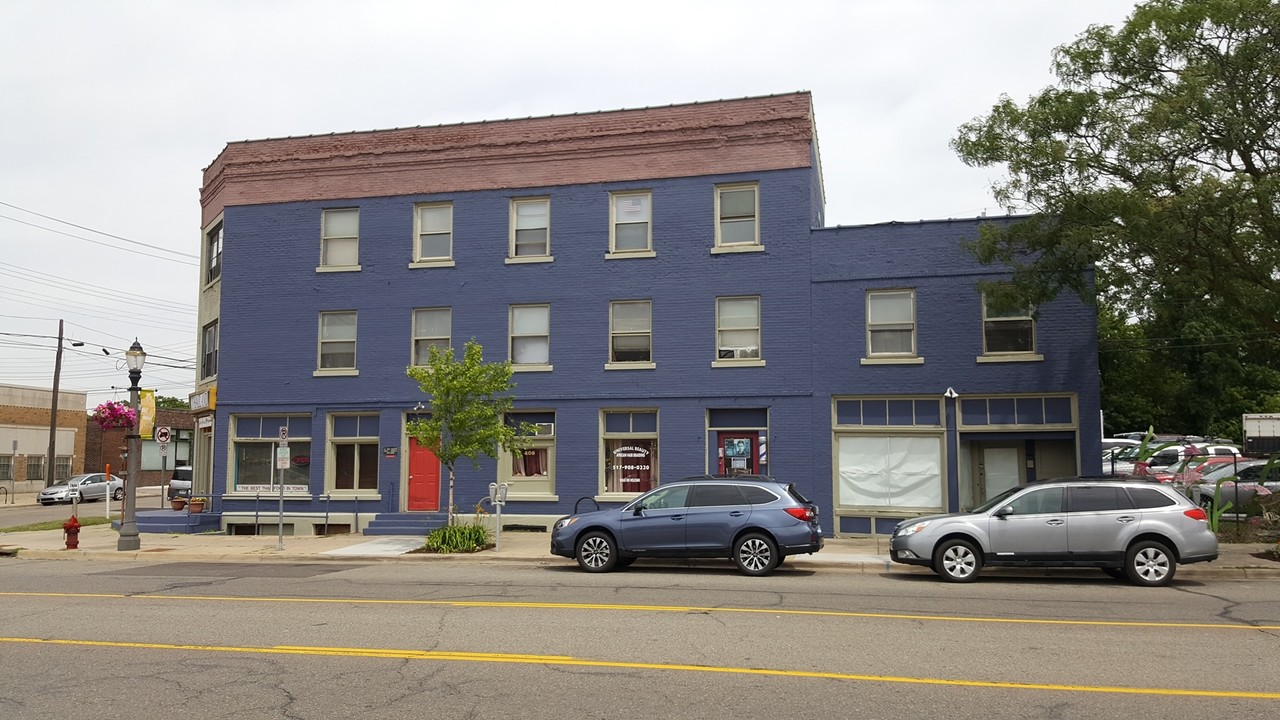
(1004, 511)
(639, 510)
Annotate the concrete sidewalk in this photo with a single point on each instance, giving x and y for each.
(870, 555)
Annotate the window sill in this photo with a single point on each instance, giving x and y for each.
(336, 372)
(1019, 357)
(731, 249)
(350, 495)
(532, 497)
(211, 283)
(892, 361)
(629, 366)
(630, 254)
(337, 268)
(432, 264)
(736, 363)
(528, 259)
(531, 368)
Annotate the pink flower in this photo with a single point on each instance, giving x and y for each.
(114, 414)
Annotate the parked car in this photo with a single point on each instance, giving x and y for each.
(1141, 530)
(1157, 456)
(1251, 478)
(1185, 473)
(753, 519)
(180, 483)
(81, 488)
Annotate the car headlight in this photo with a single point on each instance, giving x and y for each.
(564, 522)
(911, 529)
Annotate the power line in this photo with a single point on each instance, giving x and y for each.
(98, 242)
(82, 227)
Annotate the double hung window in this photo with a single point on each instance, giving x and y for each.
(213, 254)
(209, 350)
(630, 229)
(531, 228)
(630, 331)
(738, 329)
(891, 323)
(340, 238)
(1007, 331)
(337, 341)
(531, 335)
(433, 240)
(737, 216)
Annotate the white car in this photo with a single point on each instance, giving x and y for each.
(81, 488)
(1158, 456)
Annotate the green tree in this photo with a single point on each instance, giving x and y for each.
(165, 402)
(468, 408)
(1155, 160)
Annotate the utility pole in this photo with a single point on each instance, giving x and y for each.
(53, 414)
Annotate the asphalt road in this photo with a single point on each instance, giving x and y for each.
(26, 511)
(462, 640)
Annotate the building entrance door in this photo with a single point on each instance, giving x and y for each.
(739, 453)
(424, 479)
(997, 472)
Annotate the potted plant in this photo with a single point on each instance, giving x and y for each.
(114, 414)
(197, 504)
(178, 503)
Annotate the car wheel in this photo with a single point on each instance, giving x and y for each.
(1150, 563)
(118, 494)
(597, 552)
(957, 560)
(755, 554)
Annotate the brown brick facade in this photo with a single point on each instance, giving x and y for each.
(108, 446)
(727, 136)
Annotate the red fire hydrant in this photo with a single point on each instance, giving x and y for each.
(71, 531)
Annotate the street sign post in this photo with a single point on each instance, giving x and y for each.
(282, 464)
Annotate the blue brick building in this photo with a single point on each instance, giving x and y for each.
(662, 283)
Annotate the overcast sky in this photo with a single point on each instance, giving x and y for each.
(111, 109)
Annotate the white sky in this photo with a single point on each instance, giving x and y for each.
(111, 109)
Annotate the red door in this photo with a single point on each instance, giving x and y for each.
(424, 478)
(738, 454)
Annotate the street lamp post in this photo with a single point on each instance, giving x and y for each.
(134, 357)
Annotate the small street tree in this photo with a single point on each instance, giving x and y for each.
(468, 408)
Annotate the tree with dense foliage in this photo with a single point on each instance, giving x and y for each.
(166, 402)
(468, 408)
(1156, 161)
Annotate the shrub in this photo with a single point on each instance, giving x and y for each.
(471, 537)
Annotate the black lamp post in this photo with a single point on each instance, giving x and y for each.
(134, 357)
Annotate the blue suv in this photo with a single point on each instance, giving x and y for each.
(753, 519)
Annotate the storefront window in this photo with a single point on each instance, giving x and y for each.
(630, 451)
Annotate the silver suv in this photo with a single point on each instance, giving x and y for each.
(1126, 528)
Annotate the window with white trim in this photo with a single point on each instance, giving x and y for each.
(891, 323)
(1007, 332)
(630, 222)
(530, 335)
(353, 453)
(254, 439)
(431, 328)
(531, 470)
(631, 331)
(213, 254)
(209, 350)
(737, 328)
(340, 238)
(630, 443)
(737, 215)
(337, 341)
(531, 228)
(433, 236)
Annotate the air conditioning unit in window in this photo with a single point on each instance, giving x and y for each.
(545, 428)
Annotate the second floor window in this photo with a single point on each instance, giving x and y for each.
(431, 327)
(340, 238)
(530, 228)
(738, 328)
(338, 340)
(891, 322)
(530, 334)
(209, 351)
(1008, 331)
(630, 331)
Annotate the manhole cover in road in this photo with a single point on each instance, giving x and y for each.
(233, 570)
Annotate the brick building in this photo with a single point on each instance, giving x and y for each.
(24, 436)
(663, 284)
(107, 447)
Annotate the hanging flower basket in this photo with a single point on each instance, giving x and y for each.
(114, 414)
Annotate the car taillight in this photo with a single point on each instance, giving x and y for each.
(1196, 514)
(800, 513)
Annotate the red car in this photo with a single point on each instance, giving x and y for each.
(1187, 472)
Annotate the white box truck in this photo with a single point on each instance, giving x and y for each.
(1261, 433)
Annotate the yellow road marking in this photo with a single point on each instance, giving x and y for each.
(672, 667)
(655, 608)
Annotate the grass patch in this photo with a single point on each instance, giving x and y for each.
(55, 524)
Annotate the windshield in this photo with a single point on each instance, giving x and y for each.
(997, 500)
